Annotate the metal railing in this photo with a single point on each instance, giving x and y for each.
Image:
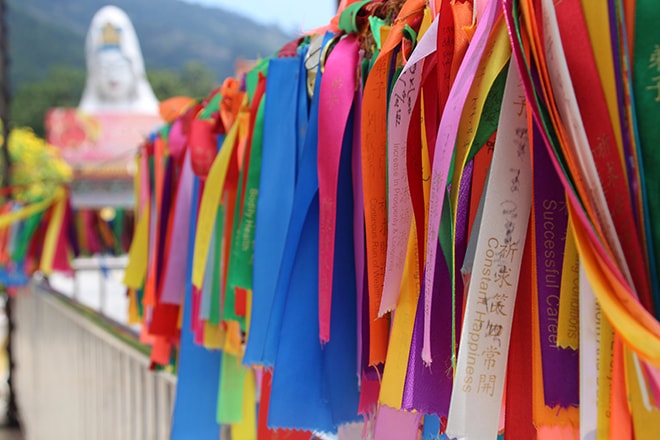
(81, 376)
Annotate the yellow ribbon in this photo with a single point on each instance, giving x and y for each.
(495, 58)
(604, 379)
(568, 327)
(623, 311)
(209, 206)
(52, 234)
(136, 270)
(398, 351)
(30, 210)
(646, 418)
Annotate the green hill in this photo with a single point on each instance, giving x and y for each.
(45, 33)
(36, 43)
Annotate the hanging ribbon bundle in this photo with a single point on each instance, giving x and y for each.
(106, 231)
(35, 211)
(33, 237)
(423, 212)
(39, 229)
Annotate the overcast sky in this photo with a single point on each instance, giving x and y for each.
(291, 15)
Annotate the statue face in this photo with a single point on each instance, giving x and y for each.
(116, 80)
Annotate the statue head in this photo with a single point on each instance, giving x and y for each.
(116, 79)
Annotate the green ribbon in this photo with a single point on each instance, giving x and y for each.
(490, 115)
(118, 230)
(210, 108)
(347, 19)
(252, 77)
(139, 295)
(242, 238)
(646, 88)
(230, 393)
(244, 256)
(25, 235)
(216, 303)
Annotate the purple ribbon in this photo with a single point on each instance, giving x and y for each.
(428, 389)
(560, 366)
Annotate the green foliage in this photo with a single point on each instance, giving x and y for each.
(36, 43)
(197, 79)
(37, 168)
(194, 80)
(63, 87)
(47, 48)
(44, 33)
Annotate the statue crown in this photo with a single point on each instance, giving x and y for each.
(110, 35)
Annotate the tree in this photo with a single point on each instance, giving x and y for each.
(194, 80)
(165, 83)
(197, 79)
(63, 87)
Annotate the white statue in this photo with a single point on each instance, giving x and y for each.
(116, 79)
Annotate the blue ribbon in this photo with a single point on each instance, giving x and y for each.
(340, 353)
(275, 202)
(307, 187)
(431, 429)
(297, 399)
(198, 373)
(292, 344)
(315, 387)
